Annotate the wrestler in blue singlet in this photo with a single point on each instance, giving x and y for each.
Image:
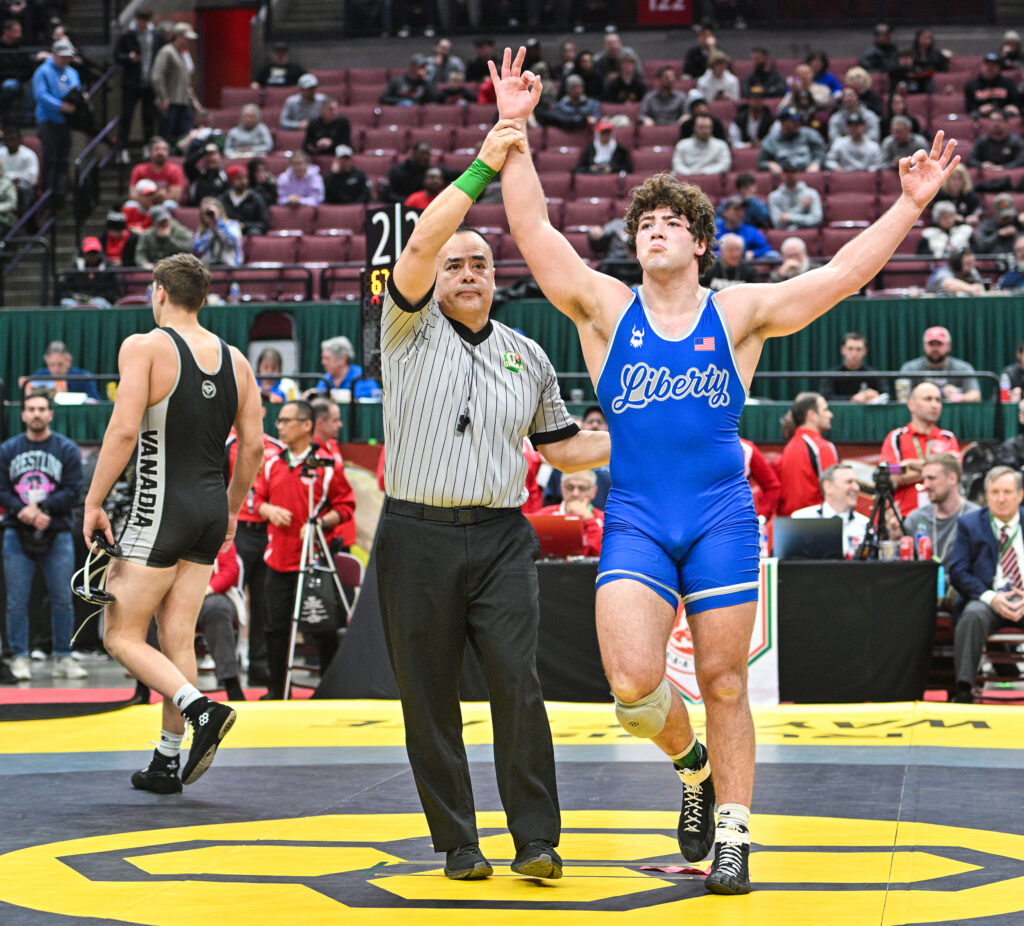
(680, 517)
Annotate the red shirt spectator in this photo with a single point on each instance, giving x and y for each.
(807, 455)
(225, 571)
(535, 501)
(168, 176)
(757, 468)
(272, 447)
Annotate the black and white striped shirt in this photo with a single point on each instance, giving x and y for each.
(433, 370)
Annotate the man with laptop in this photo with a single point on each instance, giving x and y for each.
(839, 489)
(578, 493)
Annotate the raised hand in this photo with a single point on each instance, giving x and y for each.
(922, 174)
(517, 91)
(505, 134)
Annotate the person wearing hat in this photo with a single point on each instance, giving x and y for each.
(344, 183)
(166, 236)
(279, 71)
(89, 280)
(990, 90)
(159, 168)
(753, 120)
(664, 104)
(53, 80)
(135, 51)
(138, 210)
(881, 56)
(172, 83)
(243, 204)
(794, 204)
(328, 130)
(849, 105)
(575, 109)
(210, 177)
(701, 153)
(730, 221)
(411, 88)
(303, 107)
(998, 148)
(855, 150)
(955, 377)
(118, 241)
(604, 154)
(796, 143)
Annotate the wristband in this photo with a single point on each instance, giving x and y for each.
(474, 179)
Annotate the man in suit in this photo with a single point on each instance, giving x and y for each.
(986, 569)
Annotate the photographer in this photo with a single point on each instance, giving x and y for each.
(218, 240)
(281, 496)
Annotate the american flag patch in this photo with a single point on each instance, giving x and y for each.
(704, 343)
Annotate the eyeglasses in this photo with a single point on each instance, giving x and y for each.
(290, 420)
(575, 487)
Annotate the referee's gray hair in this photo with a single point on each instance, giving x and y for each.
(339, 346)
(999, 471)
(829, 475)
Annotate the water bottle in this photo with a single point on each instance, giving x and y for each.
(1004, 388)
(762, 532)
(234, 293)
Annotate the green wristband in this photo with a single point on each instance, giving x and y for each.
(474, 179)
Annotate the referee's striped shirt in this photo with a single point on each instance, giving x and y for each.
(432, 368)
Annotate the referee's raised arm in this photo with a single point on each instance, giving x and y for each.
(416, 267)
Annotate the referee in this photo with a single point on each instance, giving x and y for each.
(455, 554)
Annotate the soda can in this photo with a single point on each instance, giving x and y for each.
(906, 549)
(924, 548)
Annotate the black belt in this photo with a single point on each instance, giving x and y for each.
(253, 525)
(471, 515)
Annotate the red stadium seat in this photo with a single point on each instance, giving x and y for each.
(324, 249)
(466, 138)
(851, 207)
(292, 218)
(346, 218)
(364, 93)
(561, 138)
(287, 141)
(652, 160)
(271, 249)
(555, 160)
(408, 116)
(586, 212)
(456, 160)
(810, 236)
(630, 110)
(276, 96)
(487, 215)
(723, 110)
(832, 239)
(853, 181)
(439, 137)
(372, 76)
(744, 159)
(481, 114)
(188, 216)
(357, 248)
(386, 138)
(236, 97)
(665, 136)
(588, 186)
(444, 115)
(373, 165)
(557, 185)
(361, 116)
(909, 244)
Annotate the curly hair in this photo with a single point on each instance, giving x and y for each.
(685, 200)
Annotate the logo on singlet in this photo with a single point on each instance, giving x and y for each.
(147, 476)
(643, 384)
(637, 337)
(209, 389)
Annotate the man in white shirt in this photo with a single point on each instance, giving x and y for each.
(794, 204)
(855, 150)
(840, 489)
(20, 165)
(701, 153)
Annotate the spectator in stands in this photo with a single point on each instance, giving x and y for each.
(904, 77)
(990, 91)
(8, 202)
(855, 150)
(995, 233)
(139, 211)
(608, 61)
(210, 177)
(336, 355)
(945, 234)
(476, 67)
(303, 107)
(702, 153)
(729, 269)
(442, 62)
(898, 108)
(998, 148)
(279, 71)
(610, 241)
(16, 66)
(850, 105)
(664, 104)
(902, 143)
(165, 237)
(860, 80)
(578, 492)
(406, 177)
(301, 184)
(604, 155)
(593, 420)
(795, 261)
(626, 86)
(840, 491)
(135, 51)
(411, 88)
(881, 56)
(119, 241)
(172, 83)
(575, 110)
(818, 62)
(328, 130)
(593, 86)
(274, 388)
(811, 115)
(200, 135)
(21, 165)
(455, 90)
(262, 181)
(763, 74)
(958, 276)
(53, 80)
(865, 389)
(755, 244)
(433, 183)
(940, 367)
(755, 209)
(807, 453)
(1013, 279)
(345, 184)
(799, 145)
(565, 64)
(165, 173)
(89, 280)
(718, 82)
(758, 470)
(803, 79)
(696, 61)
(217, 241)
(959, 190)
(251, 137)
(753, 120)
(794, 204)
(243, 205)
(699, 107)
(58, 363)
(926, 56)
(1010, 55)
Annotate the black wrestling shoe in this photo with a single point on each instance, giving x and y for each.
(210, 724)
(696, 830)
(161, 777)
(538, 859)
(467, 863)
(730, 871)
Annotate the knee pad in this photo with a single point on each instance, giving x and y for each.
(645, 717)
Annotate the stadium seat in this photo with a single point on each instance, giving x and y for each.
(271, 249)
(287, 140)
(555, 160)
(589, 186)
(744, 159)
(832, 239)
(652, 160)
(851, 207)
(276, 96)
(723, 110)
(456, 160)
(364, 93)
(557, 185)
(561, 138)
(408, 116)
(582, 213)
(347, 218)
(292, 218)
(630, 110)
(665, 136)
(372, 76)
(811, 237)
(236, 97)
(487, 215)
(374, 165)
(324, 249)
(853, 181)
(444, 115)
(361, 116)
(439, 137)
(188, 216)
(386, 138)
(909, 244)
(466, 138)
(481, 114)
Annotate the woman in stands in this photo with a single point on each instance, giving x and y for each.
(959, 190)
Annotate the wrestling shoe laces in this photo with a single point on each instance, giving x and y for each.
(695, 832)
(730, 871)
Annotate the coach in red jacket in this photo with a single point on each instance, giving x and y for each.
(281, 495)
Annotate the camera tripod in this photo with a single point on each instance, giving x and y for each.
(876, 530)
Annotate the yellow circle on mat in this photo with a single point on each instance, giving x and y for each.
(806, 870)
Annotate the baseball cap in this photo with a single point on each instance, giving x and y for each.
(186, 30)
(855, 119)
(91, 244)
(308, 80)
(63, 47)
(159, 214)
(991, 56)
(604, 125)
(732, 202)
(114, 217)
(343, 151)
(939, 334)
(882, 29)
(280, 46)
(145, 185)
(789, 113)
(234, 170)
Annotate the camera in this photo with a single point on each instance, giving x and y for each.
(883, 474)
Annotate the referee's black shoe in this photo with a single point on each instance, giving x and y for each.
(696, 830)
(538, 859)
(210, 724)
(730, 871)
(467, 863)
(161, 777)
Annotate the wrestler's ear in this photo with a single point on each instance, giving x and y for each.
(700, 247)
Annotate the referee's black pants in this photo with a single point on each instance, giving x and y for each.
(442, 585)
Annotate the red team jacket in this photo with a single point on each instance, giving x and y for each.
(802, 461)
(906, 444)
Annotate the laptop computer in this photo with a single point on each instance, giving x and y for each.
(561, 535)
(808, 538)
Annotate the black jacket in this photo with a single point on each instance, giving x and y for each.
(251, 213)
(344, 189)
(339, 132)
(622, 160)
(131, 71)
